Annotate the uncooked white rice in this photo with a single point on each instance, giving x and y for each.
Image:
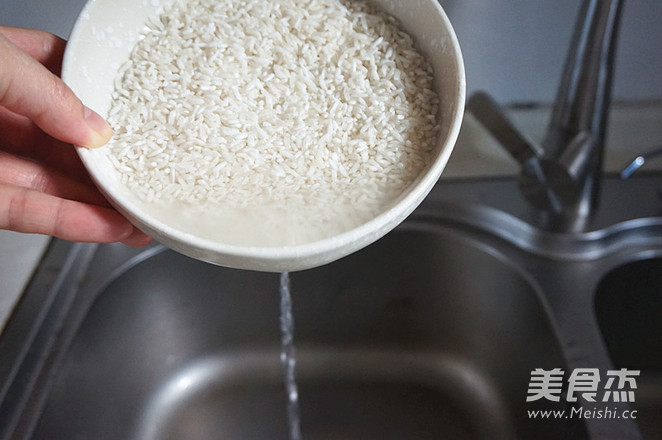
(322, 110)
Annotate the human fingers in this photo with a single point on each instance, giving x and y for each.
(30, 89)
(16, 171)
(46, 48)
(19, 134)
(22, 137)
(30, 211)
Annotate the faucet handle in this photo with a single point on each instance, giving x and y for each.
(550, 184)
(492, 117)
(553, 185)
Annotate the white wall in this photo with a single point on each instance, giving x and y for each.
(516, 48)
(513, 48)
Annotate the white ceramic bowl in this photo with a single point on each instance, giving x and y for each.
(102, 40)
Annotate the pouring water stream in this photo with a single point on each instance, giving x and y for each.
(288, 357)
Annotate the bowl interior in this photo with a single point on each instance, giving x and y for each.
(101, 42)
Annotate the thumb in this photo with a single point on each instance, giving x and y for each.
(30, 89)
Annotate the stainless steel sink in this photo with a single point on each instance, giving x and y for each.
(628, 304)
(432, 332)
(425, 334)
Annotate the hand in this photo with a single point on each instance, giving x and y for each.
(44, 187)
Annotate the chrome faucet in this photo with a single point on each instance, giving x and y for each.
(561, 176)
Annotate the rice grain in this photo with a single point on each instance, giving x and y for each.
(322, 108)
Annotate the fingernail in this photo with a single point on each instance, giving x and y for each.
(100, 131)
(137, 239)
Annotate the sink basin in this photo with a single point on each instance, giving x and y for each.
(431, 332)
(426, 334)
(628, 305)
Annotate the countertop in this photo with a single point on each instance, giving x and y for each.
(19, 256)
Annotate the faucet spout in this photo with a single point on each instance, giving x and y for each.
(582, 101)
(576, 133)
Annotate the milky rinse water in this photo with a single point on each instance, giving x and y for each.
(288, 357)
